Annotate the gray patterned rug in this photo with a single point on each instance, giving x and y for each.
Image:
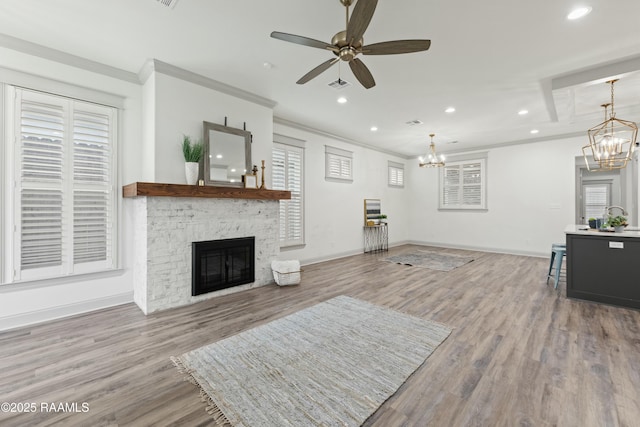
(430, 259)
(332, 364)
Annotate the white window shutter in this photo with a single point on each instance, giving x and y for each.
(338, 164)
(41, 129)
(92, 193)
(287, 174)
(395, 174)
(462, 185)
(64, 199)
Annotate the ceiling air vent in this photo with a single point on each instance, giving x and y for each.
(414, 122)
(169, 3)
(339, 84)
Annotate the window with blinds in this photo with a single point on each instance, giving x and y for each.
(596, 197)
(64, 182)
(463, 185)
(396, 174)
(287, 164)
(338, 164)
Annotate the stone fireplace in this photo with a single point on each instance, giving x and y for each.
(166, 226)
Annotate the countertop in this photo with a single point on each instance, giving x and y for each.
(583, 229)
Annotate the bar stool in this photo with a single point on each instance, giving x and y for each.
(558, 251)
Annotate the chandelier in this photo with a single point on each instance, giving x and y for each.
(431, 159)
(611, 143)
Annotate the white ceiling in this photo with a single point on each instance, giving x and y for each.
(489, 59)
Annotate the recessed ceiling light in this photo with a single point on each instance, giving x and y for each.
(267, 65)
(233, 170)
(534, 131)
(342, 100)
(579, 12)
(218, 156)
(450, 110)
(523, 112)
(374, 128)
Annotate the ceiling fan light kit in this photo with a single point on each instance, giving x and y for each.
(348, 44)
(612, 142)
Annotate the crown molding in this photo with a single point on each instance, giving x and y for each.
(44, 52)
(517, 142)
(154, 65)
(299, 126)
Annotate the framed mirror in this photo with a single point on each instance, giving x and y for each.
(227, 155)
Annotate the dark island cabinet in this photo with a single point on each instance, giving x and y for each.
(604, 268)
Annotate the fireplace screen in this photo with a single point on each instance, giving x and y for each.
(221, 264)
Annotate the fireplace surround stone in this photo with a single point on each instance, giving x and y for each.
(164, 229)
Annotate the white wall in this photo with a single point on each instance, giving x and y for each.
(531, 199)
(334, 211)
(182, 106)
(30, 302)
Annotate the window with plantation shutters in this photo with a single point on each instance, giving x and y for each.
(64, 181)
(287, 164)
(396, 174)
(338, 164)
(463, 184)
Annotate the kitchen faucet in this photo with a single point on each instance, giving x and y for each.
(607, 211)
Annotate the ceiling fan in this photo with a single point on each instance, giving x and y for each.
(346, 45)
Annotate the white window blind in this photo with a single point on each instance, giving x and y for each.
(64, 184)
(596, 198)
(338, 164)
(287, 174)
(396, 174)
(462, 185)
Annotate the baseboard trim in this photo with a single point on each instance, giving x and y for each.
(332, 257)
(48, 314)
(479, 248)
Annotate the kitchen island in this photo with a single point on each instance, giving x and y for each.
(603, 266)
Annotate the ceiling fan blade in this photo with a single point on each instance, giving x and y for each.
(396, 46)
(362, 73)
(305, 41)
(360, 18)
(317, 71)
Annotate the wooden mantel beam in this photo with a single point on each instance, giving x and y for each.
(149, 189)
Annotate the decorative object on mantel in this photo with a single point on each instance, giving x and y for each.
(330, 364)
(250, 181)
(192, 153)
(434, 161)
(611, 143)
(263, 187)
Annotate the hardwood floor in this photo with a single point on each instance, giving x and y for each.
(520, 354)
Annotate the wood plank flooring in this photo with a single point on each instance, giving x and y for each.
(520, 354)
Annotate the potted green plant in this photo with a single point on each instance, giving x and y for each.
(192, 152)
(618, 223)
(382, 218)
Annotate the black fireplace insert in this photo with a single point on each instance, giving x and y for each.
(221, 264)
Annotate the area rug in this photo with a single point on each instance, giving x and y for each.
(430, 259)
(332, 364)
